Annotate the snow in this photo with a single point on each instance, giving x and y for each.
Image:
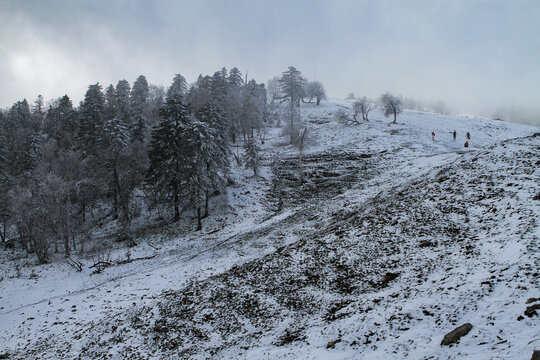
(395, 188)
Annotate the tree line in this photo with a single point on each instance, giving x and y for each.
(65, 169)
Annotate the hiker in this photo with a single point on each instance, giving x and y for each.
(466, 144)
(468, 136)
(432, 136)
(454, 135)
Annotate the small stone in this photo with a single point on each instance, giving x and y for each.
(331, 344)
(455, 335)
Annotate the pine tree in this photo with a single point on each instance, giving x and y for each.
(292, 86)
(92, 119)
(235, 77)
(167, 153)
(139, 95)
(123, 106)
(218, 163)
(23, 143)
(208, 163)
(251, 156)
(178, 86)
(110, 107)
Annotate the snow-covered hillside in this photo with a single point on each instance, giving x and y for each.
(392, 241)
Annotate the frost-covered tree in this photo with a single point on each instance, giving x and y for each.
(123, 106)
(235, 77)
(273, 89)
(251, 156)
(22, 140)
(208, 163)
(391, 105)
(362, 107)
(139, 93)
(92, 119)
(61, 123)
(292, 86)
(168, 151)
(200, 93)
(315, 89)
(253, 108)
(139, 106)
(178, 86)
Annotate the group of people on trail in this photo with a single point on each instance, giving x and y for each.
(454, 135)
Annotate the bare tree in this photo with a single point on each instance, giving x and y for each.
(362, 107)
(391, 105)
(273, 89)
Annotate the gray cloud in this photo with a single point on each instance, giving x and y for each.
(475, 55)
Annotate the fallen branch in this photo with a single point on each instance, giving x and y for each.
(74, 263)
(127, 261)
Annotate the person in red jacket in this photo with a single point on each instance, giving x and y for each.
(466, 144)
(432, 136)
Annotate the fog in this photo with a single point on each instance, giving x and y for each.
(477, 56)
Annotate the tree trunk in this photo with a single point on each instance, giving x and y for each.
(66, 240)
(176, 210)
(206, 214)
(199, 222)
(395, 117)
(318, 100)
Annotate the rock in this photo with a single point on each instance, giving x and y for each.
(426, 243)
(456, 334)
(531, 310)
(389, 276)
(536, 355)
(531, 300)
(331, 344)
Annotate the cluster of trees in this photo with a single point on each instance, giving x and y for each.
(64, 169)
(389, 104)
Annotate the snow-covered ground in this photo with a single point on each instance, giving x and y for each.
(393, 240)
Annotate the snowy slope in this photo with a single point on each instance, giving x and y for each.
(392, 241)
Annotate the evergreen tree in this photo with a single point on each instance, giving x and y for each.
(178, 86)
(292, 86)
(92, 119)
(251, 156)
(167, 153)
(61, 122)
(235, 77)
(123, 106)
(208, 164)
(139, 93)
(23, 144)
(139, 96)
(109, 110)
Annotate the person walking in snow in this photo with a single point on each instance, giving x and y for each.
(432, 136)
(468, 136)
(454, 135)
(466, 144)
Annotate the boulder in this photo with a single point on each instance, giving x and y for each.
(456, 334)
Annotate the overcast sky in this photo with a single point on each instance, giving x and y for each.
(475, 55)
